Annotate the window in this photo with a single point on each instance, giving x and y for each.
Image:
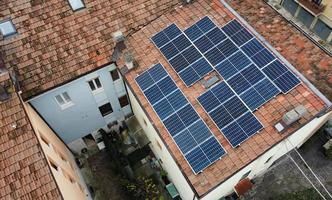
(64, 100)
(268, 160)
(245, 175)
(76, 4)
(123, 101)
(44, 140)
(7, 28)
(105, 109)
(115, 75)
(95, 84)
(53, 165)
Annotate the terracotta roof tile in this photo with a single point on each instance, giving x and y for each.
(146, 55)
(24, 170)
(55, 44)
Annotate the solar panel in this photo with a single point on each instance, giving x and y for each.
(239, 83)
(195, 140)
(252, 98)
(262, 58)
(226, 69)
(216, 36)
(227, 110)
(181, 53)
(241, 37)
(252, 47)
(232, 27)
(193, 32)
(283, 78)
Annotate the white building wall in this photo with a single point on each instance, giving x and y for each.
(258, 167)
(168, 163)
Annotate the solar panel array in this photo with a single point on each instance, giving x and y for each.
(195, 140)
(181, 54)
(229, 113)
(252, 76)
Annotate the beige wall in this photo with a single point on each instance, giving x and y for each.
(328, 9)
(67, 174)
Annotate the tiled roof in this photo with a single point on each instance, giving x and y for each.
(55, 44)
(24, 172)
(309, 59)
(146, 54)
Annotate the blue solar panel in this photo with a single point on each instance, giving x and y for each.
(210, 148)
(180, 118)
(193, 32)
(163, 109)
(239, 60)
(181, 42)
(287, 82)
(157, 73)
(249, 124)
(226, 69)
(174, 124)
(169, 50)
(216, 36)
(252, 47)
(262, 58)
(160, 39)
(188, 115)
(232, 27)
(222, 92)
(199, 131)
(208, 101)
(178, 63)
(185, 141)
(227, 47)
(266, 89)
(189, 76)
(252, 74)
(214, 56)
(275, 69)
(221, 117)
(235, 107)
(234, 134)
(241, 37)
(153, 94)
(197, 160)
(172, 31)
(238, 83)
(166, 85)
(205, 24)
(177, 99)
(281, 76)
(145, 80)
(252, 99)
(191, 54)
(203, 44)
(202, 67)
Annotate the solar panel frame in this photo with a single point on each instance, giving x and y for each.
(186, 128)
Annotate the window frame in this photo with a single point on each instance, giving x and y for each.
(118, 75)
(13, 26)
(77, 9)
(106, 113)
(66, 103)
(94, 83)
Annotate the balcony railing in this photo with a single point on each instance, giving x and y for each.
(315, 6)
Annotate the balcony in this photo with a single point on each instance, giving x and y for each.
(315, 6)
